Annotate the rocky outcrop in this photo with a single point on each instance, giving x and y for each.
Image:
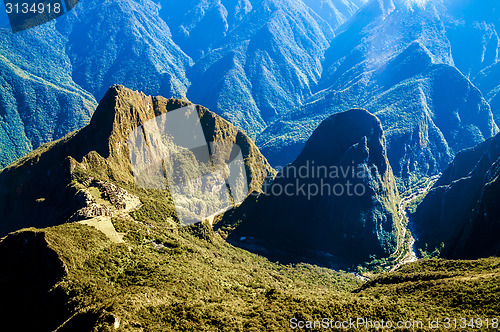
(339, 197)
(45, 188)
(260, 57)
(90, 208)
(117, 197)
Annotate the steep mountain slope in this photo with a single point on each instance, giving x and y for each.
(52, 74)
(429, 116)
(339, 197)
(72, 278)
(39, 101)
(335, 12)
(278, 66)
(395, 59)
(472, 28)
(487, 81)
(65, 179)
(265, 56)
(134, 44)
(264, 66)
(200, 26)
(461, 211)
(257, 59)
(76, 277)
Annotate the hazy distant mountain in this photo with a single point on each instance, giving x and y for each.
(337, 201)
(397, 60)
(276, 69)
(255, 60)
(199, 26)
(487, 80)
(53, 74)
(262, 64)
(106, 248)
(39, 101)
(123, 42)
(472, 28)
(461, 211)
(129, 265)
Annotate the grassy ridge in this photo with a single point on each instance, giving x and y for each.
(176, 279)
(168, 278)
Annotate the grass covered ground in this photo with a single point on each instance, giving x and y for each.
(187, 279)
(170, 278)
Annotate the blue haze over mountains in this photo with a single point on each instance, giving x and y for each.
(428, 69)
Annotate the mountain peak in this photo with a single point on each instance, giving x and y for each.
(120, 112)
(339, 132)
(120, 107)
(311, 201)
(51, 184)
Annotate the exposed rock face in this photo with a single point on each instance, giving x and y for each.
(338, 197)
(44, 188)
(461, 211)
(90, 208)
(487, 81)
(116, 195)
(276, 68)
(90, 211)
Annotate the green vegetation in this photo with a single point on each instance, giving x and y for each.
(433, 254)
(169, 278)
(166, 279)
(412, 206)
(34, 110)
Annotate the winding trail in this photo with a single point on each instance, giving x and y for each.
(408, 254)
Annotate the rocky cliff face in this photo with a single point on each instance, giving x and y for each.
(338, 197)
(51, 184)
(273, 67)
(461, 210)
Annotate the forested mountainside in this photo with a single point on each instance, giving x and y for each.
(276, 69)
(63, 181)
(124, 262)
(250, 61)
(417, 67)
(460, 215)
(335, 205)
(385, 95)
